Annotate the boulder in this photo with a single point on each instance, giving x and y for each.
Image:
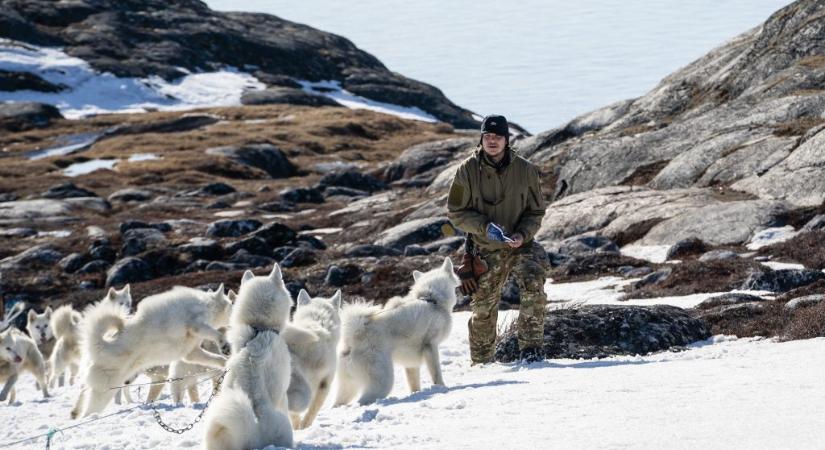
(731, 298)
(72, 262)
(781, 280)
(299, 257)
(686, 247)
(52, 211)
(128, 270)
(94, 266)
(266, 157)
(412, 232)
(805, 302)
(426, 159)
(130, 195)
(302, 195)
(278, 95)
(598, 331)
(67, 190)
(583, 245)
(138, 240)
(345, 274)
(21, 116)
(275, 234)
(366, 250)
(352, 179)
(232, 227)
(38, 256)
(718, 254)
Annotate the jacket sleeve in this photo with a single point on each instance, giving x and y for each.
(460, 210)
(530, 220)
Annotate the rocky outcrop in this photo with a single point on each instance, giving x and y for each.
(142, 38)
(605, 330)
(266, 157)
(21, 116)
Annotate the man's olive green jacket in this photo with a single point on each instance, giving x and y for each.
(509, 196)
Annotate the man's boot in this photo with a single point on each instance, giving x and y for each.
(531, 354)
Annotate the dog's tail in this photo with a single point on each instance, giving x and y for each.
(355, 317)
(64, 322)
(231, 423)
(98, 320)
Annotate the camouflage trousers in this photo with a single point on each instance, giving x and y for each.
(528, 264)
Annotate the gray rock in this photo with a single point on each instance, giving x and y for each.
(245, 258)
(232, 227)
(366, 250)
(583, 245)
(266, 157)
(445, 245)
(138, 240)
(352, 179)
(94, 266)
(281, 252)
(275, 234)
(816, 223)
(134, 224)
(685, 247)
(781, 280)
(426, 159)
(21, 116)
(302, 195)
(26, 81)
(299, 257)
(652, 278)
(598, 331)
(285, 96)
(718, 254)
(37, 256)
(634, 272)
(731, 298)
(310, 242)
(104, 252)
(253, 245)
(719, 224)
(67, 190)
(340, 191)
(415, 250)
(805, 302)
(224, 266)
(343, 275)
(72, 262)
(186, 122)
(128, 270)
(49, 210)
(18, 232)
(130, 195)
(213, 189)
(198, 248)
(412, 232)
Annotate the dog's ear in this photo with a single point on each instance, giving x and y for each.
(336, 299)
(112, 294)
(448, 264)
(232, 295)
(248, 275)
(276, 273)
(32, 315)
(303, 297)
(220, 291)
(48, 311)
(416, 275)
(127, 290)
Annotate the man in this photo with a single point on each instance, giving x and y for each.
(496, 199)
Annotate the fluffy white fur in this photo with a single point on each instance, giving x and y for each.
(18, 352)
(251, 409)
(166, 327)
(406, 331)
(313, 363)
(40, 330)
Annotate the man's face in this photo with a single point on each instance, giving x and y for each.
(493, 144)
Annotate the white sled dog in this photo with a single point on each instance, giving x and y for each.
(185, 375)
(40, 330)
(406, 331)
(166, 327)
(251, 409)
(18, 352)
(65, 323)
(313, 363)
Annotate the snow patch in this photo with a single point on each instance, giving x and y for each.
(87, 167)
(90, 92)
(770, 236)
(652, 253)
(333, 90)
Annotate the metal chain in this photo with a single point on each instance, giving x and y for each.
(188, 427)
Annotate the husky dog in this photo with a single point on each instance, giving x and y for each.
(251, 409)
(166, 327)
(66, 352)
(188, 373)
(40, 331)
(18, 352)
(313, 363)
(406, 331)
